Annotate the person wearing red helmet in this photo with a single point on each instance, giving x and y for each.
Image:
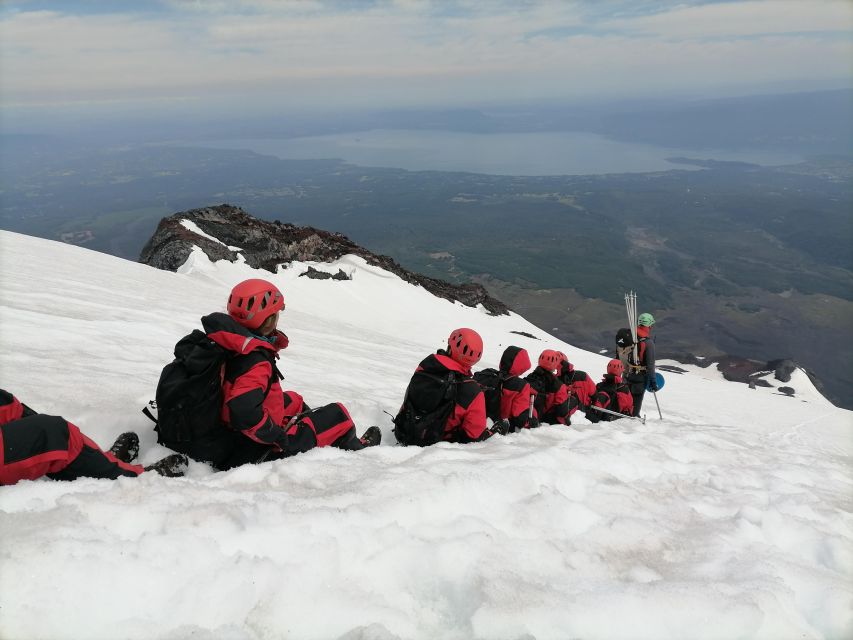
(443, 402)
(612, 393)
(259, 420)
(552, 396)
(35, 445)
(579, 384)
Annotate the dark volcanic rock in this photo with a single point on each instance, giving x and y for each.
(314, 274)
(782, 369)
(265, 245)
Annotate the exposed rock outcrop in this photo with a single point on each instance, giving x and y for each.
(265, 245)
(316, 274)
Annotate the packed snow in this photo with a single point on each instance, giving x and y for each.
(730, 518)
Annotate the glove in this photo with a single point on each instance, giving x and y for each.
(653, 385)
(501, 427)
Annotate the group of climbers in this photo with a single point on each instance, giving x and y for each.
(447, 401)
(221, 401)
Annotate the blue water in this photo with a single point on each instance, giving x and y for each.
(527, 154)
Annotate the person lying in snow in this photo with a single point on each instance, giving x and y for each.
(253, 419)
(612, 394)
(552, 396)
(443, 402)
(33, 445)
(579, 384)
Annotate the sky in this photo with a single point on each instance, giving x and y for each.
(316, 54)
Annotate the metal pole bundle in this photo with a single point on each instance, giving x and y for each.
(631, 308)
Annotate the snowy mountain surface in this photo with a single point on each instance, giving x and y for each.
(730, 518)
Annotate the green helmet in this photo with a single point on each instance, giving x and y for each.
(646, 320)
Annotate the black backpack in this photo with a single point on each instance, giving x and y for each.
(624, 338)
(421, 420)
(491, 381)
(189, 393)
(542, 383)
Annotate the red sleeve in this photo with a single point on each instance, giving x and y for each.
(247, 412)
(520, 404)
(473, 419)
(586, 390)
(626, 403)
(10, 407)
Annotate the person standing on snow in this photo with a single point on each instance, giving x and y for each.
(611, 394)
(641, 373)
(259, 421)
(34, 445)
(443, 402)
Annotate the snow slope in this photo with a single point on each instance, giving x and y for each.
(731, 518)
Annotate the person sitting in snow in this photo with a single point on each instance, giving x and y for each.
(552, 396)
(443, 402)
(516, 393)
(612, 394)
(259, 420)
(579, 384)
(33, 445)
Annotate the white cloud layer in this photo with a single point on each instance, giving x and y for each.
(412, 52)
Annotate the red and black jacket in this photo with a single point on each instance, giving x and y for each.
(254, 402)
(515, 392)
(613, 387)
(552, 396)
(579, 384)
(467, 421)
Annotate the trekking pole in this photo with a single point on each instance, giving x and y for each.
(658, 404)
(618, 415)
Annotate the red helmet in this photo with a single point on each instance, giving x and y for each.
(550, 360)
(465, 346)
(563, 357)
(615, 367)
(253, 301)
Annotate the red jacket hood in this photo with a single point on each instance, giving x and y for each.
(231, 335)
(515, 361)
(441, 362)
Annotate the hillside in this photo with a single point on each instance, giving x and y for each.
(734, 259)
(729, 518)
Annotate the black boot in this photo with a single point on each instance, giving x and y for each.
(126, 447)
(371, 437)
(173, 466)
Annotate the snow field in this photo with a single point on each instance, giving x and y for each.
(732, 517)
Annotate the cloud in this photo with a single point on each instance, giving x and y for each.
(414, 51)
(733, 19)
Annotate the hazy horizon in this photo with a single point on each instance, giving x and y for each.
(159, 59)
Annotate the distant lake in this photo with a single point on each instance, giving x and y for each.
(526, 154)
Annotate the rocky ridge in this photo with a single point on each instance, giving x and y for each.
(266, 245)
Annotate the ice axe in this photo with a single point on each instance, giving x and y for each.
(618, 415)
